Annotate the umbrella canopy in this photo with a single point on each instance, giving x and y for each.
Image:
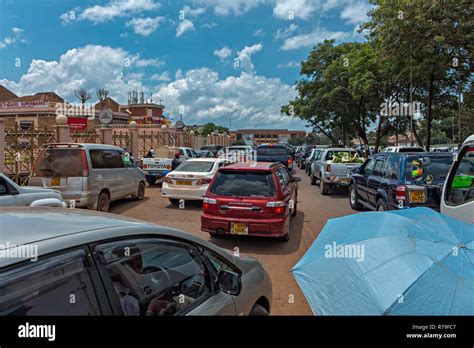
(404, 262)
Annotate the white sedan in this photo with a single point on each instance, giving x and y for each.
(191, 179)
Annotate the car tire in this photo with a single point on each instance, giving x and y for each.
(312, 179)
(323, 186)
(140, 192)
(103, 202)
(258, 310)
(354, 198)
(381, 205)
(150, 180)
(174, 201)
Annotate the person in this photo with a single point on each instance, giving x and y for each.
(150, 154)
(176, 161)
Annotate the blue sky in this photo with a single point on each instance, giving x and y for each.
(206, 58)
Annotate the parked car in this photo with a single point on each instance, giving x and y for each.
(255, 200)
(332, 167)
(12, 194)
(389, 181)
(119, 266)
(212, 148)
(306, 152)
(275, 153)
(403, 149)
(458, 192)
(312, 157)
(191, 179)
(90, 175)
(205, 154)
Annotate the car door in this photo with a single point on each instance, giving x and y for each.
(287, 187)
(375, 180)
(9, 196)
(363, 178)
(160, 277)
(109, 172)
(131, 174)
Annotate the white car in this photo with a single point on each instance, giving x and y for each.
(403, 149)
(457, 199)
(191, 179)
(13, 195)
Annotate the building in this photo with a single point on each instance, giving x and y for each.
(143, 111)
(266, 136)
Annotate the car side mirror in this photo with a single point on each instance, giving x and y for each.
(230, 282)
(296, 179)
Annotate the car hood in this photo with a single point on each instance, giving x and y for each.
(37, 189)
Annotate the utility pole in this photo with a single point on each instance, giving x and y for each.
(411, 103)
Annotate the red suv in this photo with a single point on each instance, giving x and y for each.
(251, 199)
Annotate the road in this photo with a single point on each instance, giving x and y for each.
(277, 257)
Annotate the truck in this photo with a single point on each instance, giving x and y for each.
(332, 166)
(275, 153)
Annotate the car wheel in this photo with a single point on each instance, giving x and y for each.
(150, 180)
(354, 198)
(140, 192)
(103, 202)
(381, 205)
(174, 201)
(323, 186)
(258, 310)
(312, 179)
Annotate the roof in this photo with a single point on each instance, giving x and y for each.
(84, 145)
(6, 94)
(251, 165)
(210, 159)
(42, 96)
(108, 103)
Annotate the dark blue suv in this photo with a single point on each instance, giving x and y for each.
(389, 181)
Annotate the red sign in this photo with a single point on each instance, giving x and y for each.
(77, 123)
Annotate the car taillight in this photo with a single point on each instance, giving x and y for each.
(279, 207)
(207, 202)
(290, 161)
(328, 167)
(85, 164)
(204, 181)
(401, 193)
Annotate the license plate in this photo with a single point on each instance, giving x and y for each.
(55, 181)
(239, 229)
(345, 181)
(417, 196)
(184, 182)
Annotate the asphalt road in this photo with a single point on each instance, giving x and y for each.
(278, 257)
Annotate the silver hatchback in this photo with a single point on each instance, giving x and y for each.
(89, 175)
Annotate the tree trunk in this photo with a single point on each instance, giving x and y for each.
(378, 134)
(430, 113)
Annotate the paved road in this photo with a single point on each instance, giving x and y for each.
(278, 257)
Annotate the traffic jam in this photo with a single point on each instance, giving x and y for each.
(244, 193)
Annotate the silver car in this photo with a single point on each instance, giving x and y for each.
(89, 175)
(12, 194)
(118, 266)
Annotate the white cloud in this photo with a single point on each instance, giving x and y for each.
(284, 33)
(227, 7)
(356, 13)
(161, 77)
(223, 53)
(258, 33)
(290, 64)
(207, 98)
(316, 36)
(184, 26)
(113, 9)
(193, 12)
(90, 67)
(14, 38)
(145, 26)
(291, 9)
(245, 56)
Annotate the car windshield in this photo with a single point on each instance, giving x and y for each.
(59, 162)
(272, 150)
(434, 169)
(244, 183)
(195, 166)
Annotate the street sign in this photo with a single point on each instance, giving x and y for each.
(106, 116)
(179, 124)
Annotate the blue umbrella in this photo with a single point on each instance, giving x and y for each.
(405, 262)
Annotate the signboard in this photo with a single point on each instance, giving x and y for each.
(179, 125)
(106, 116)
(24, 105)
(77, 123)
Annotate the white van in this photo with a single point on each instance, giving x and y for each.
(458, 193)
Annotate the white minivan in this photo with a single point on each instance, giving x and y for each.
(458, 192)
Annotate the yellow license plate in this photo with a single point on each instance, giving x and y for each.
(184, 182)
(417, 196)
(239, 229)
(55, 181)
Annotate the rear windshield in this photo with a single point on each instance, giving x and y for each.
(195, 166)
(208, 147)
(437, 168)
(271, 150)
(246, 184)
(411, 149)
(235, 149)
(59, 162)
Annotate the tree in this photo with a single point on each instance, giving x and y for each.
(238, 142)
(83, 95)
(295, 141)
(102, 94)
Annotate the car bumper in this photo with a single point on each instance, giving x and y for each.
(337, 180)
(256, 227)
(83, 200)
(184, 193)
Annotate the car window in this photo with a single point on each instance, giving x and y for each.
(436, 171)
(127, 160)
(379, 168)
(181, 152)
(369, 166)
(283, 178)
(3, 187)
(55, 285)
(155, 276)
(195, 166)
(59, 162)
(106, 159)
(244, 183)
(461, 183)
(217, 262)
(393, 167)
